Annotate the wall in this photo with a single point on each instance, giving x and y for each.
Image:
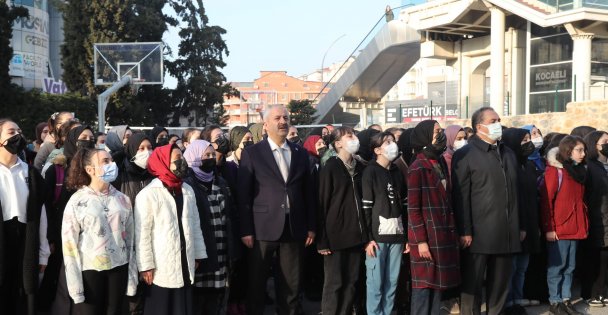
(590, 113)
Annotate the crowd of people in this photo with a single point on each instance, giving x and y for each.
(376, 221)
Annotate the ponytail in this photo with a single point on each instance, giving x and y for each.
(77, 175)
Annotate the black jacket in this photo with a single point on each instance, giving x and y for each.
(35, 201)
(261, 197)
(340, 223)
(131, 179)
(484, 190)
(596, 198)
(384, 203)
(210, 264)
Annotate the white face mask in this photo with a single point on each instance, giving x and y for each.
(141, 158)
(459, 144)
(101, 146)
(538, 142)
(494, 131)
(352, 146)
(391, 151)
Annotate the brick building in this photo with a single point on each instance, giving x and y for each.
(272, 87)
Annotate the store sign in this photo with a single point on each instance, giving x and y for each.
(15, 68)
(549, 78)
(418, 110)
(28, 65)
(54, 87)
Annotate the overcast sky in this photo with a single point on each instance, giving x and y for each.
(287, 35)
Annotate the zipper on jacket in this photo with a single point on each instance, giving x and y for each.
(357, 204)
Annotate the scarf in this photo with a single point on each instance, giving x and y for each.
(236, 136)
(535, 156)
(71, 140)
(450, 133)
(405, 146)
(577, 172)
(310, 145)
(159, 166)
(193, 155)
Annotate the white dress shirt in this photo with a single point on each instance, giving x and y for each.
(14, 192)
(285, 151)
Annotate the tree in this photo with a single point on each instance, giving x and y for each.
(76, 30)
(7, 16)
(301, 112)
(201, 86)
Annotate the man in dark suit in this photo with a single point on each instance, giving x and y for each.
(276, 207)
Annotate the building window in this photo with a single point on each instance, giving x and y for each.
(551, 49)
(265, 84)
(285, 84)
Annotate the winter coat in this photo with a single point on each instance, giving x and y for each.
(157, 239)
(562, 205)
(131, 179)
(384, 203)
(340, 218)
(431, 221)
(484, 189)
(596, 198)
(529, 207)
(204, 211)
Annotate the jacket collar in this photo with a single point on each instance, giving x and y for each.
(482, 145)
(424, 161)
(157, 183)
(373, 162)
(552, 158)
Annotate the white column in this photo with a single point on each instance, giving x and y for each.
(581, 65)
(497, 57)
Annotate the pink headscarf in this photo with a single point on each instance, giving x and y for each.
(450, 133)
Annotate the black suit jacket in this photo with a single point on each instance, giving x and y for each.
(262, 190)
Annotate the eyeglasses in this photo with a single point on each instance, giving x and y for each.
(581, 150)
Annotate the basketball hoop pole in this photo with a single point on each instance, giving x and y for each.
(103, 98)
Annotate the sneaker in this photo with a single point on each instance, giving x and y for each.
(558, 309)
(522, 302)
(571, 309)
(451, 306)
(595, 302)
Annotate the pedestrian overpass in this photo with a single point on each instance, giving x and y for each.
(385, 60)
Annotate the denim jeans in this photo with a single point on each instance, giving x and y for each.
(382, 273)
(426, 302)
(520, 265)
(561, 261)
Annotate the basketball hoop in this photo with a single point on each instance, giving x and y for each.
(134, 86)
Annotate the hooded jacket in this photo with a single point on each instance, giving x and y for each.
(596, 198)
(562, 205)
(384, 203)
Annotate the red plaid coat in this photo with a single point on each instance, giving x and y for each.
(431, 220)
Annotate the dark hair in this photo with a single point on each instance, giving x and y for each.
(63, 132)
(187, 133)
(4, 121)
(478, 117)
(39, 129)
(340, 132)
(55, 120)
(100, 133)
(566, 146)
(206, 133)
(378, 139)
(173, 136)
(467, 131)
(374, 125)
(582, 131)
(77, 175)
(591, 142)
(554, 142)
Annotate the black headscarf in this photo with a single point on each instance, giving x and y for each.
(405, 145)
(365, 141)
(236, 136)
(422, 135)
(316, 131)
(133, 144)
(154, 134)
(70, 145)
(512, 138)
(582, 131)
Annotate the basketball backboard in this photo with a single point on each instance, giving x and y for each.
(142, 61)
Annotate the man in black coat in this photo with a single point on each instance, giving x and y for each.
(484, 179)
(277, 211)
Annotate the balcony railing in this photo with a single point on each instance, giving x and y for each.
(567, 5)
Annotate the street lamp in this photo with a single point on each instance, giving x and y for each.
(325, 55)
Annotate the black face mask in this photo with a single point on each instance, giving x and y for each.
(326, 139)
(295, 139)
(527, 149)
(15, 144)
(604, 150)
(162, 141)
(85, 144)
(247, 143)
(322, 151)
(181, 169)
(440, 143)
(223, 146)
(208, 165)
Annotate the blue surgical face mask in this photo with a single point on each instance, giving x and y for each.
(110, 172)
(494, 131)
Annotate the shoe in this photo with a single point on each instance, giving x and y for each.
(522, 302)
(516, 310)
(570, 309)
(451, 306)
(534, 302)
(595, 302)
(558, 309)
